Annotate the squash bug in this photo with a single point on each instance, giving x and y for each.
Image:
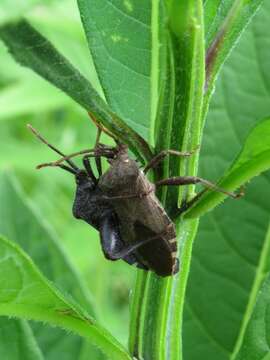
(121, 204)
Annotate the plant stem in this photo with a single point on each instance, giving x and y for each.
(158, 322)
(175, 347)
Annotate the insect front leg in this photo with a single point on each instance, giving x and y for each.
(97, 158)
(88, 168)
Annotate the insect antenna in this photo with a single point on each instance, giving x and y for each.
(74, 169)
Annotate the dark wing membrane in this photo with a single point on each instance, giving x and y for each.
(159, 255)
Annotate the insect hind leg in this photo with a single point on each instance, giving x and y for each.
(189, 180)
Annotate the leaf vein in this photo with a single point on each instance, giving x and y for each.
(128, 16)
(225, 238)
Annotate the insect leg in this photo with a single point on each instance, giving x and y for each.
(99, 131)
(101, 127)
(102, 151)
(188, 180)
(98, 158)
(88, 168)
(161, 156)
(42, 139)
(87, 165)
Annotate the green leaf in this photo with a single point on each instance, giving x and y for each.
(21, 222)
(119, 38)
(255, 344)
(252, 161)
(34, 94)
(26, 293)
(63, 28)
(225, 21)
(217, 13)
(227, 253)
(31, 49)
(17, 341)
(60, 23)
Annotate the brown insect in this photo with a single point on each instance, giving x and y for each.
(121, 204)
